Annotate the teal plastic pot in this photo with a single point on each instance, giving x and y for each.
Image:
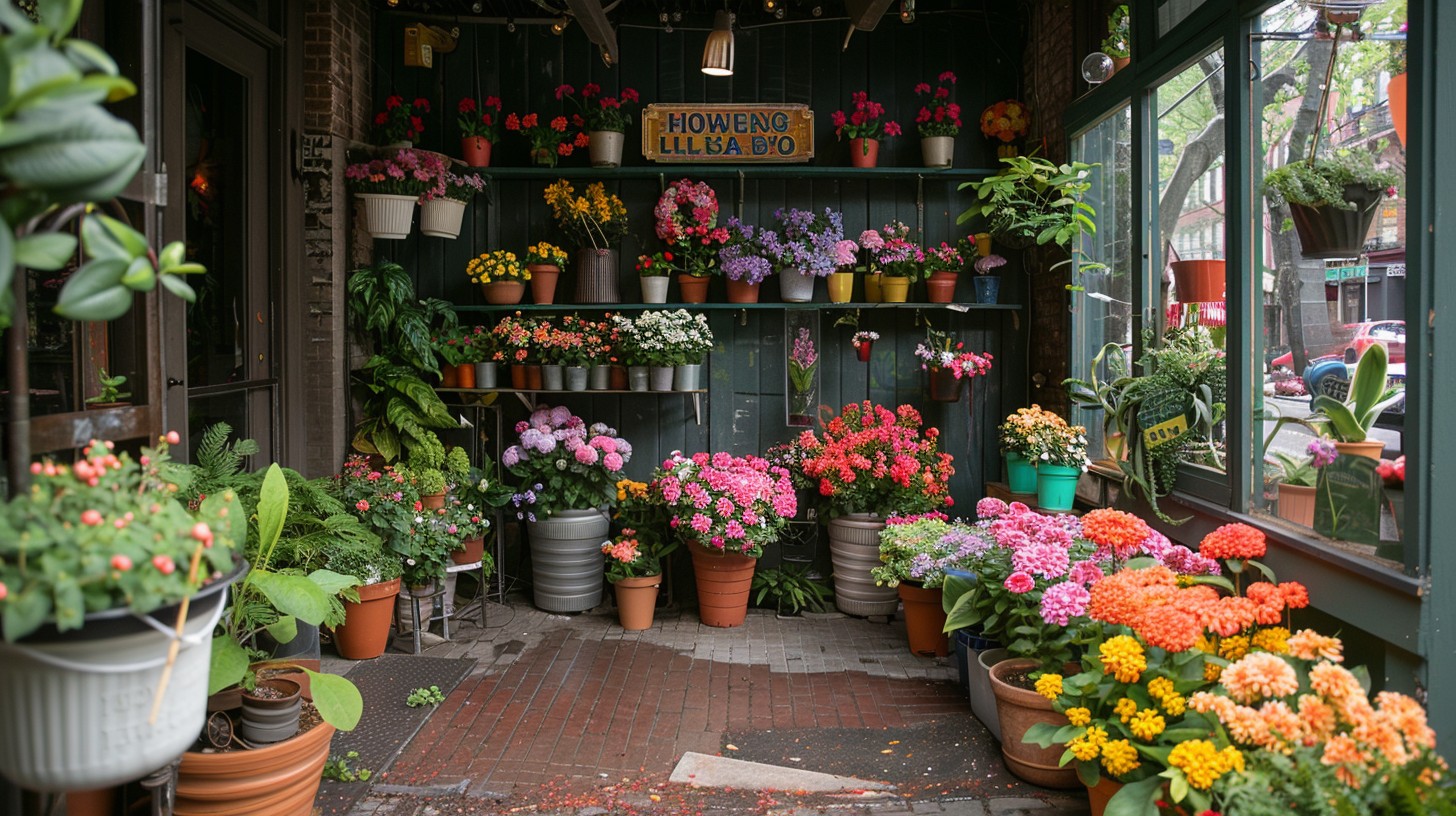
(1056, 486)
(1020, 473)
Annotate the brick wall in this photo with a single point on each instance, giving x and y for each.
(336, 90)
(1051, 79)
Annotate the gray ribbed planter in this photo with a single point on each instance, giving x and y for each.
(566, 559)
(983, 700)
(553, 377)
(576, 378)
(854, 548)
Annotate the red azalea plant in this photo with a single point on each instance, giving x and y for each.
(400, 121)
(480, 119)
(938, 116)
(874, 460)
(598, 111)
(548, 140)
(864, 121)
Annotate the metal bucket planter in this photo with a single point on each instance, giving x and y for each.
(566, 559)
(796, 286)
(605, 148)
(661, 377)
(596, 276)
(74, 706)
(687, 377)
(936, 151)
(854, 548)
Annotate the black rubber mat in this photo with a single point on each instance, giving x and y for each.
(387, 724)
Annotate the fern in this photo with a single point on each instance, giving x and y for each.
(218, 463)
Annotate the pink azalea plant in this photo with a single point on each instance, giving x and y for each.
(728, 503)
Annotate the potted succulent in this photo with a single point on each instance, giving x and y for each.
(938, 121)
(604, 120)
(1332, 200)
(110, 395)
(727, 509)
(443, 205)
(480, 128)
(109, 589)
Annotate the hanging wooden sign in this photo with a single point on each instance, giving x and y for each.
(728, 133)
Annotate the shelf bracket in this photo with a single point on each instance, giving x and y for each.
(698, 408)
(528, 401)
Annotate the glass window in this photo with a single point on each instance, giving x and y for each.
(1104, 307)
(1173, 12)
(1329, 291)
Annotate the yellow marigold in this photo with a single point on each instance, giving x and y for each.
(1159, 687)
(1199, 761)
(1097, 735)
(1271, 639)
(1119, 757)
(1079, 716)
(1205, 645)
(1259, 674)
(1233, 648)
(1122, 656)
(1049, 685)
(1147, 724)
(1125, 708)
(1212, 671)
(1175, 704)
(1232, 758)
(1083, 750)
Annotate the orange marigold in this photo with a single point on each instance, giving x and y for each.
(1307, 644)
(1295, 594)
(1122, 596)
(1168, 627)
(1117, 529)
(1342, 752)
(1259, 674)
(1318, 717)
(1334, 683)
(1238, 541)
(1285, 726)
(1408, 716)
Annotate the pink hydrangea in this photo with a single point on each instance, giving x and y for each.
(1064, 601)
(587, 455)
(1085, 572)
(612, 461)
(1044, 558)
(989, 508)
(1019, 583)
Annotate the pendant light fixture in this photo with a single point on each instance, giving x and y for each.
(718, 52)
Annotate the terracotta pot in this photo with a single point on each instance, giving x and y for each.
(1370, 448)
(364, 634)
(724, 580)
(1296, 504)
(449, 376)
(1199, 281)
(1018, 710)
(465, 375)
(1119, 63)
(543, 282)
(106, 406)
(872, 287)
(841, 287)
(1395, 91)
(941, 287)
(637, 601)
(99, 802)
(742, 291)
(433, 501)
(924, 620)
(280, 780)
(1100, 794)
(533, 376)
(944, 387)
(618, 378)
(864, 152)
(504, 293)
(694, 289)
(518, 376)
(475, 150)
(895, 290)
(470, 552)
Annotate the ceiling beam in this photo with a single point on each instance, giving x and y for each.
(865, 14)
(593, 20)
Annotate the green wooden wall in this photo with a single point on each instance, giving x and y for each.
(799, 63)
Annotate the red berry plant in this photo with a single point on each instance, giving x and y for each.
(870, 459)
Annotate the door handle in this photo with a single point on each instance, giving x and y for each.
(173, 382)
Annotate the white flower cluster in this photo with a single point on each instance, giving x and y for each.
(664, 338)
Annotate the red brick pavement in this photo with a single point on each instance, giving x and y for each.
(576, 708)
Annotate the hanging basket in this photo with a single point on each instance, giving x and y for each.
(441, 217)
(387, 216)
(1330, 232)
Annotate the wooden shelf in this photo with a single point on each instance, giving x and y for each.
(527, 396)
(718, 306)
(744, 171)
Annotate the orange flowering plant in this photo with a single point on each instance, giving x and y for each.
(1006, 120)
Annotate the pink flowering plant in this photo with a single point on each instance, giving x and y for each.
(870, 459)
(596, 110)
(938, 115)
(803, 363)
(892, 252)
(941, 350)
(109, 532)
(865, 120)
(919, 549)
(944, 258)
(455, 187)
(388, 502)
(404, 172)
(687, 218)
(727, 503)
(563, 463)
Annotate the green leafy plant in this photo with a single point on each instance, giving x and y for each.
(1351, 419)
(398, 405)
(1119, 33)
(274, 601)
(338, 769)
(422, 697)
(110, 389)
(792, 588)
(63, 150)
(1322, 182)
(1036, 201)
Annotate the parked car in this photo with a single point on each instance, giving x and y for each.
(1356, 337)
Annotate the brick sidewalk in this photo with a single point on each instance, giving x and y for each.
(573, 703)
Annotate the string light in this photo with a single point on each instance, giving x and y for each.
(560, 25)
(907, 11)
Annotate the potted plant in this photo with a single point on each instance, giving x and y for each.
(549, 139)
(946, 362)
(117, 545)
(939, 121)
(596, 222)
(573, 343)
(500, 275)
(443, 205)
(388, 187)
(396, 402)
(987, 283)
(1062, 461)
(1005, 122)
(480, 128)
(856, 507)
(635, 573)
(840, 282)
(804, 249)
(915, 551)
(1033, 201)
(110, 395)
(1296, 483)
(1117, 43)
(1348, 422)
(727, 509)
(544, 262)
(1332, 200)
(864, 343)
(653, 273)
(400, 123)
(604, 120)
(566, 471)
(793, 588)
(746, 260)
(687, 221)
(669, 342)
(1022, 439)
(942, 271)
(865, 126)
(368, 608)
(896, 258)
(803, 382)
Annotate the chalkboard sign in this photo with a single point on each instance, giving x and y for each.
(1348, 494)
(704, 132)
(1164, 417)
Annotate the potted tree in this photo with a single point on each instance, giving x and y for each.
(1332, 200)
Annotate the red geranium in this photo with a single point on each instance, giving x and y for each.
(874, 460)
